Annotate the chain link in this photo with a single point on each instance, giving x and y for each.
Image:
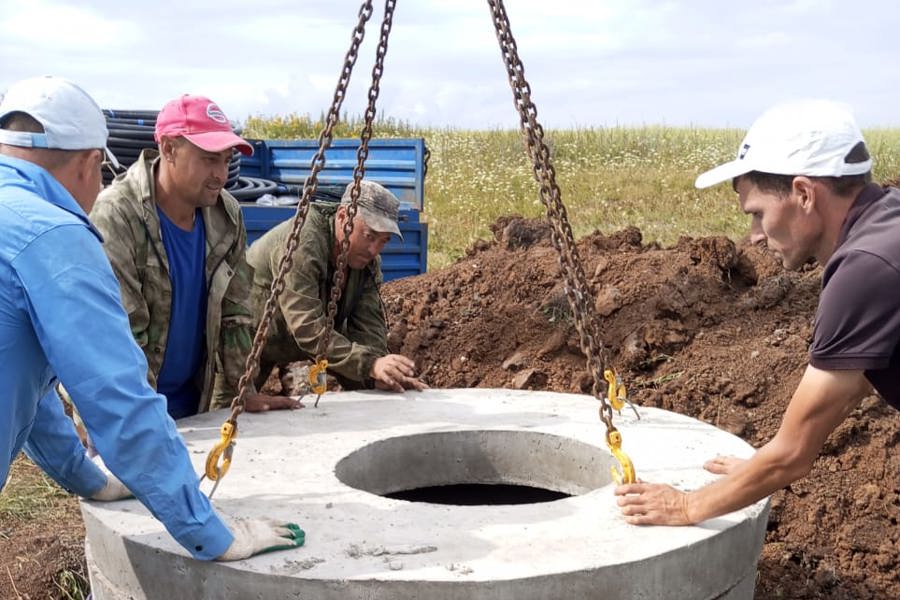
(576, 288)
(251, 366)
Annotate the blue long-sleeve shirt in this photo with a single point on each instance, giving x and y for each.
(61, 317)
(54, 446)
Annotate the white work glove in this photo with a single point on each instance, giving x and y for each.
(256, 536)
(114, 489)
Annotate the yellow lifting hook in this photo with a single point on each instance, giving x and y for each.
(316, 379)
(627, 475)
(616, 393)
(223, 449)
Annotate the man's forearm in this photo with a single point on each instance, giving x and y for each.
(351, 360)
(766, 472)
(55, 446)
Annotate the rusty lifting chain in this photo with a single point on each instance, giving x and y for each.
(576, 288)
(358, 171)
(224, 448)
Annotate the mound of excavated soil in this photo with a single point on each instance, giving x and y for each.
(704, 328)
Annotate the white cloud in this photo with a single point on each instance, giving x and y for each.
(802, 7)
(66, 27)
(618, 61)
(764, 41)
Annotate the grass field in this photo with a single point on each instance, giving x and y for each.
(609, 178)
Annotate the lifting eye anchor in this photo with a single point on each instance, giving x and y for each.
(626, 475)
(223, 449)
(317, 380)
(616, 393)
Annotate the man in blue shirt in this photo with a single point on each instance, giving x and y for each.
(176, 241)
(61, 319)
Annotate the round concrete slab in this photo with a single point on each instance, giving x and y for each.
(328, 468)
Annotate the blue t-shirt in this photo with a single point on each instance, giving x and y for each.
(186, 251)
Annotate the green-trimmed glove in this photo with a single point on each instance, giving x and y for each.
(258, 536)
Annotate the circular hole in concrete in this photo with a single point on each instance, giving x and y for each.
(476, 494)
(477, 467)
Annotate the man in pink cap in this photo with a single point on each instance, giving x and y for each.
(177, 244)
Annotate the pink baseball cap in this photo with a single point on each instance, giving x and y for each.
(201, 122)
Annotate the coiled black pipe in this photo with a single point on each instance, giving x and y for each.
(131, 114)
(251, 188)
(330, 192)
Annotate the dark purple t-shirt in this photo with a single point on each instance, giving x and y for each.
(858, 319)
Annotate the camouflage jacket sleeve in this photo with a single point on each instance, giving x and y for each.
(304, 314)
(236, 336)
(124, 238)
(366, 324)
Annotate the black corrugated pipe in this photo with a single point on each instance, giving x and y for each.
(251, 188)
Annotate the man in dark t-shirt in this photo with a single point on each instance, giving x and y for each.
(803, 174)
(858, 320)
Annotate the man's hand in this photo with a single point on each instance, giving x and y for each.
(113, 489)
(263, 402)
(653, 504)
(723, 465)
(396, 372)
(256, 536)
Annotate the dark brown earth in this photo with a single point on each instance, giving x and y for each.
(704, 328)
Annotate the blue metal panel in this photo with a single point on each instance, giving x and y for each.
(409, 256)
(398, 259)
(252, 166)
(397, 164)
(260, 219)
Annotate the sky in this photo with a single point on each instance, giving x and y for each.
(590, 63)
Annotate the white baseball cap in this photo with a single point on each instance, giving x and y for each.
(70, 117)
(804, 137)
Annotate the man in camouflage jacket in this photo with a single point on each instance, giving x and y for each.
(182, 185)
(357, 354)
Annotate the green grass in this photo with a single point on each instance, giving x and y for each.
(610, 178)
(29, 496)
(29, 493)
(72, 585)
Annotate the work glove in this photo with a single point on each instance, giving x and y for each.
(258, 536)
(113, 489)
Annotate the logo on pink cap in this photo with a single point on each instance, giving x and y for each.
(201, 122)
(215, 113)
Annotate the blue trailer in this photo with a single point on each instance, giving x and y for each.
(397, 164)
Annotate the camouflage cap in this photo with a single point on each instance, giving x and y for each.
(378, 206)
